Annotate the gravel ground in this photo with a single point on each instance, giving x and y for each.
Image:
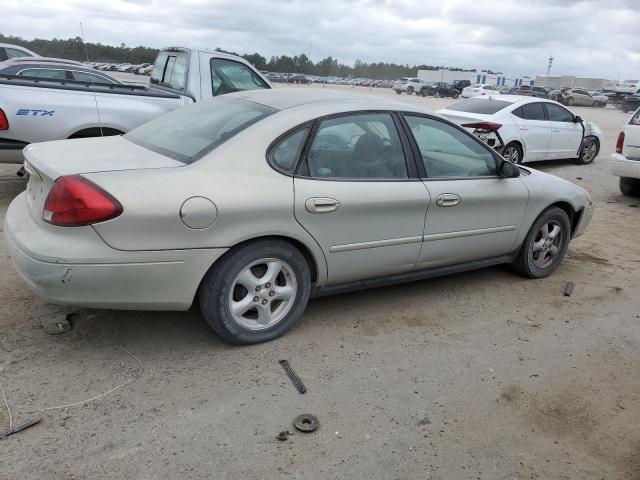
(482, 375)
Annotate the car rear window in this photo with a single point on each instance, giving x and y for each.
(477, 105)
(189, 133)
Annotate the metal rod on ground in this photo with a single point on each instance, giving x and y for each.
(293, 377)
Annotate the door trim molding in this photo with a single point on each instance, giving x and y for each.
(468, 233)
(375, 244)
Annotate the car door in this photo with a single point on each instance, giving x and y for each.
(566, 135)
(534, 128)
(359, 197)
(474, 213)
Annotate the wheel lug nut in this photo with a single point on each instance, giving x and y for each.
(255, 299)
(264, 302)
(257, 289)
(267, 285)
(271, 294)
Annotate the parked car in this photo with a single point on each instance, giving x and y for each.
(626, 160)
(504, 90)
(408, 85)
(298, 78)
(199, 206)
(526, 128)
(461, 84)
(538, 92)
(37, 111)
(628, 86)
(8, 51)
(630, 103)
(439, 89)
(479, 89)
(580, 97)
(53, 69)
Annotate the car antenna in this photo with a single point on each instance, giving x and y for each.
(95, 96)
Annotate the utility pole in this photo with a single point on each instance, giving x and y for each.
(550, 63)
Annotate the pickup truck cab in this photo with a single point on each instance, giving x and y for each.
(626, 160)
(41, 109)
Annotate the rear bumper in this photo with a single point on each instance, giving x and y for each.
(73, 266)
(622, 166)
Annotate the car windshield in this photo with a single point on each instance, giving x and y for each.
(477, 105)
(191, 132)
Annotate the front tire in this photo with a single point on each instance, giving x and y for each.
(409, 90)
(570, 101)
(545, 246)
(588, 152)
(256, 292)
(630, 186)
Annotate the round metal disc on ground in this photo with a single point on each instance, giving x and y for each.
(306, 423)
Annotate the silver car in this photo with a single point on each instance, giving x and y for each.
(250, 203)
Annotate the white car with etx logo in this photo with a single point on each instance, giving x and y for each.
(523, 128)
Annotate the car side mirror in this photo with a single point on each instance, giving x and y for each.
(577, 119)
(508, 170)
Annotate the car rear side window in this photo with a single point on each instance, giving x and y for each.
(15, 53)
(286, 151)
(448, 152)
(191, 132)
(556, 113)
(90, 77)
(478, 105)
(50, 73)
(170, 70)
(360, 147)
(532, 111)
(228, 76)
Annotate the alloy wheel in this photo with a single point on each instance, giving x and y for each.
(512, 154)
(262, 294)
(589, 152)
(546, 244)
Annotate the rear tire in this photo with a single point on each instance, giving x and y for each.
(437, 94)
(630, 186)
(570, 101)
(513, 152)
(409, 90)
(588, 152)
(541, 253)
(272, 271)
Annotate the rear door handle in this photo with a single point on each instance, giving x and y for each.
(321, 205)
(556, 130)
(524, 128)
(447, 200)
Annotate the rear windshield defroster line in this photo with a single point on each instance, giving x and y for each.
(191, 132)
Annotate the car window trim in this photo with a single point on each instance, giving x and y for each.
(302, 168)
(424, 176)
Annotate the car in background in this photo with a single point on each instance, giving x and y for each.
(628, 86)
(630, 103)
(531, 91)
(505, 90)
(626, 160)
(439, 89)
(408, 85)
(199, 206)
(460, 84)
(524, 129)
(8, 51)
(479, 89)
(581, 97)
(54, 69)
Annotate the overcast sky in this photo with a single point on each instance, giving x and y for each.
(599, 38)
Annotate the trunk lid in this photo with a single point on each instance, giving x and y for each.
(45, 162)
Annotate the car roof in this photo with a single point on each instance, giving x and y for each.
(514, 99)
(283, 98)
(42, 60)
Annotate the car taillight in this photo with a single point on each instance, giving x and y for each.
(74, 201)
(620, 143)
(483, 127)
(4, 123)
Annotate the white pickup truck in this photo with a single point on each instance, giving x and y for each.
(38, 109)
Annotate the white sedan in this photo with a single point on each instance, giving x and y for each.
(528, 128)
(479, 89)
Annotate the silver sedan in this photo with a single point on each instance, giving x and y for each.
(253, 202)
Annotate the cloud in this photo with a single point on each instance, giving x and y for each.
(587, 38)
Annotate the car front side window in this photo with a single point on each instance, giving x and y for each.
(556, 113)
(357, 147)
(448, 152)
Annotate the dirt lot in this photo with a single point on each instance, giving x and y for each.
(515, 380)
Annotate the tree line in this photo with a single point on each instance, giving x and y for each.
(74, 49)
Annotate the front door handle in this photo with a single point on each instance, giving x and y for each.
(447, 200)
(321, 205)
(524, 128)
(555, 130)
